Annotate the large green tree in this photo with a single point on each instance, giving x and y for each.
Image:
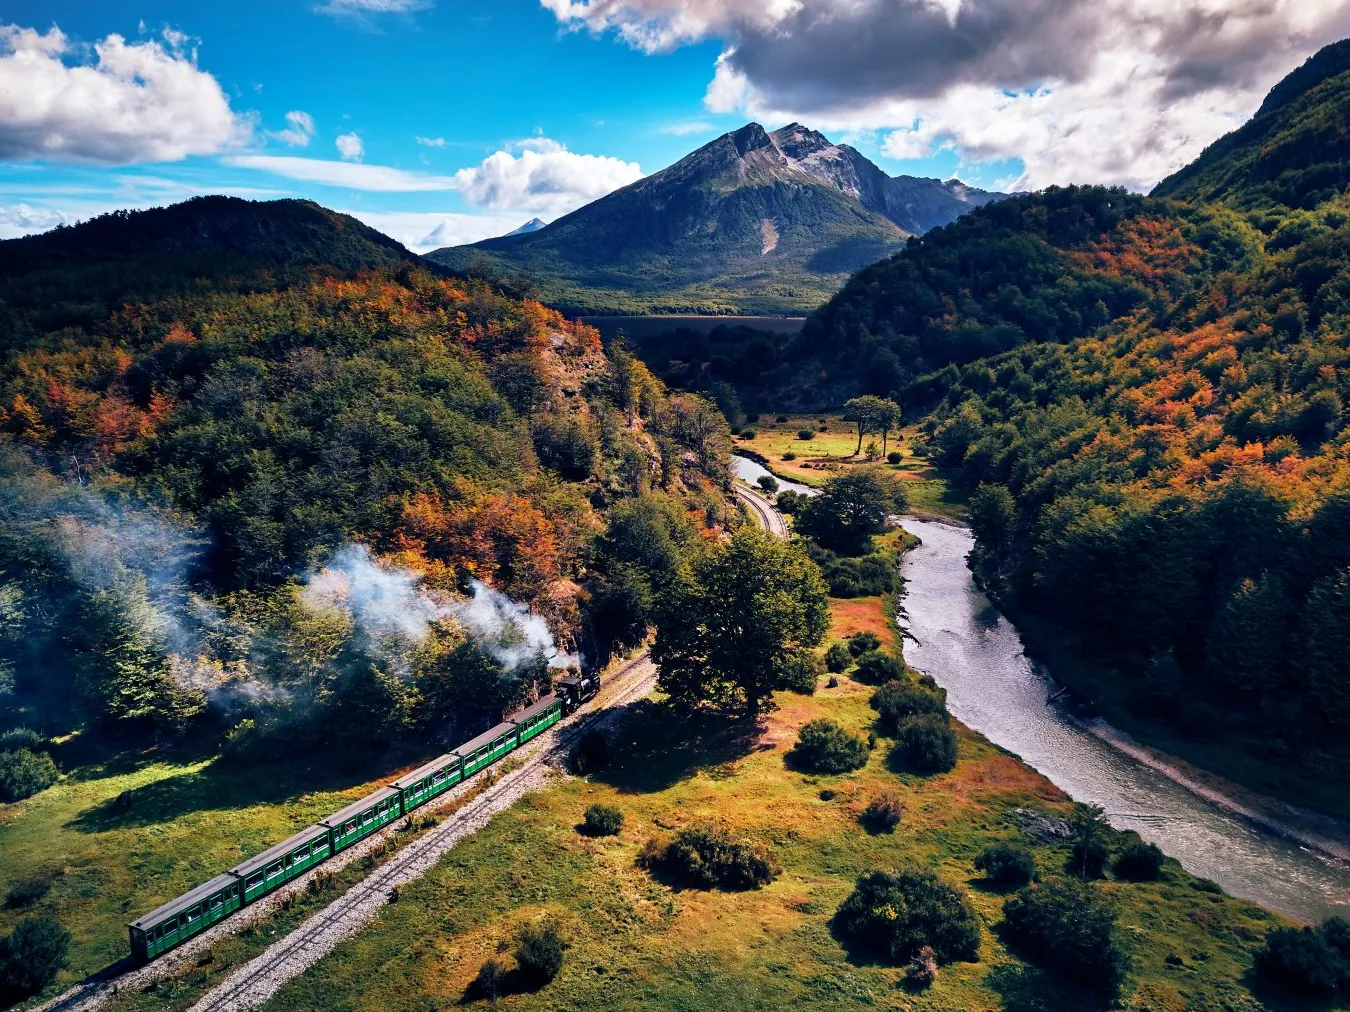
(850, 509)
(724, 634)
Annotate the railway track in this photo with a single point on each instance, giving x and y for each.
(252, 983)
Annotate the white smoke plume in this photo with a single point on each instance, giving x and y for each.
(385, 600)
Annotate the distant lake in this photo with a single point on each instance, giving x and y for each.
(644, 326)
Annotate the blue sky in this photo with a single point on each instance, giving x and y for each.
(443, 121)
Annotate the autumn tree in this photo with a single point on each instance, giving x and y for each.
(724, 634)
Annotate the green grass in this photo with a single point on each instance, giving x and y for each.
(188, 820)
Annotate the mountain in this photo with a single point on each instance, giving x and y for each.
(72, 275)
(750, 222)
(1292, 153)
(533, 225)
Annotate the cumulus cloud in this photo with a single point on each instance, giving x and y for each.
(350, 148)
(121, 103)
(542, 176)
(24, 219)
(299, 129)
(1120, 91)
(424, 231)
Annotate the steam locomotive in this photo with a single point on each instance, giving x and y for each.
(174, 922)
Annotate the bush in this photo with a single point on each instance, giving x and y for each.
(23, 773)
(825, 747)
(838, 658)
(602, 820)
(1007, 865)
(752, 416)
(591, 753)
(1314, 961)
(748, 433)
(922, 969)
(539, 951)
(898, 699)
(877, 667)
(894, 457)
(789, 455)
(854, 576)
(897, 915)
(707, 857)
(32, 955)
(925, 744)
(806, 433)
(1139, 862)
(1065, 927)
(22, 737)
(27, 891)
(768, 483)
(801, 672)
(882, 814)
(781, 419)
(863, 642)
(491, 980)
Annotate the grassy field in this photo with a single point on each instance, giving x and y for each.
(830, 451)
(638, 944)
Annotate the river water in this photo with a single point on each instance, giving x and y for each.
(750, 471)
(976, 655)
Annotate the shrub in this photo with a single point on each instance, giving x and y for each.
(789, 501)
(1313, 961)
(789, 455)
(1139, 862)
(854, 576)
(748, 433)
(23, 773)
(539, 951)
(768, 483)
(602, 820)
(752, 416)
(1007, 865)
(882, 814)
(27, 891)
(837, 658)
(897, 915)
(898, 699)
(1091, 841)
(491, 979)
(1065, 927)
(707, 857)
(925, 744)
(877, 667)
(806, 433)
(922, 969)
(863, 642)
(894, 457)
(825, 747)
(32, 955)
(781, 419)
(22, 737)
(591, 753)
(801, 672)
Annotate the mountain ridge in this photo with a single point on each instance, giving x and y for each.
(752, 221)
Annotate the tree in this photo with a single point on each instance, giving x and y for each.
(868, 412)
(1139, 862)
(32, 955)
(1309, 960)
(23, 773)
(1091, 841)
(896, 915)
(887, 418)
(724, 633)
(993, 517)
(850, 509)
(1065, 927)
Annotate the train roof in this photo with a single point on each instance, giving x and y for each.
(275, 851)
(533, 709)
(426, 769)
(486, 738)
(357, 807)
(179, 903)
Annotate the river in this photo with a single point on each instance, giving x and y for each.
(976, 655)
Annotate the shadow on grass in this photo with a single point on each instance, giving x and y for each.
(1279, 998)
(494, 988)
(1027, 988)
(222, 785)
(656, 748)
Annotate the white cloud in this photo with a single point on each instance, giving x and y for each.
(1117, 91)
(362, 8)
(350, 148)
(686, 127)
(431, 142)
(423, 231)
(135, 102)
(544, 178)
(299, 129)
(24, 219)
(353, 175)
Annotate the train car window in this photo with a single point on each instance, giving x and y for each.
(301, 854)
(351, 827)
(274, 870)
(440, 775)
(216, 903)
(255, 880)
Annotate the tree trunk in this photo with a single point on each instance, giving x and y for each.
(858, 449)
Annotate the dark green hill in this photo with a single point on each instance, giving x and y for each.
(751, 222)
(73, 276)
(1292, 153)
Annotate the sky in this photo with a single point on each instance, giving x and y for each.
(447, 121)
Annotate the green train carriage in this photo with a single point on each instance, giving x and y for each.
(361, 818)
(182, 917)
(280, 863)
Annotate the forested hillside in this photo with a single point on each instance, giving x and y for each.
(266, 478)
(1148, 399)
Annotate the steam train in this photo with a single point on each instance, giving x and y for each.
(188, 915)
